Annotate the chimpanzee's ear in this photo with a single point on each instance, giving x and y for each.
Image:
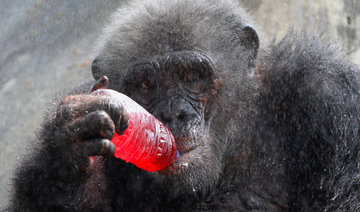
(95, 68)
(251, 38)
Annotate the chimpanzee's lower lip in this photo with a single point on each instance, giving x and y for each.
(186, 156)
(181, 163)
(183, 151)
(177, 154)
(186, 148)
(184, 144)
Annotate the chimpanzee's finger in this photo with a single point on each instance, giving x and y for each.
(119, 115)
(94, 124)
(102, 83)
(98, 146)
(73, 107)
(124, 123)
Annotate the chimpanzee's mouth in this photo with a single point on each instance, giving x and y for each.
(189, 152)
(182, 151)
(185, 145)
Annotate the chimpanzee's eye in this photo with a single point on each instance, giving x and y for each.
(142, 79)
(196, 81)
(147, 84)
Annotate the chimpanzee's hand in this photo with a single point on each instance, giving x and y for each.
(85, 125)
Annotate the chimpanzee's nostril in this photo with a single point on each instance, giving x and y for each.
(181, 116)
(176, 112)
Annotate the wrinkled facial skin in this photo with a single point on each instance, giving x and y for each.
(176, 88)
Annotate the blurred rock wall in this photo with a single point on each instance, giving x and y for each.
(46, 46)
(336, 20)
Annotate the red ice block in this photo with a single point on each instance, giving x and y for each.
(147, 143)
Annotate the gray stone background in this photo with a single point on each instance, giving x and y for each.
(47, 46)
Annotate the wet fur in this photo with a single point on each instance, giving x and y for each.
(284, 126)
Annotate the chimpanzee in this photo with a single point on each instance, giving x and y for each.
(258, 129)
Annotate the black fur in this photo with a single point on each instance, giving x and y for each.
(312, 95)
(282, 128)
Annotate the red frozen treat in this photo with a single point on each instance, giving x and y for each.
(147, 143)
